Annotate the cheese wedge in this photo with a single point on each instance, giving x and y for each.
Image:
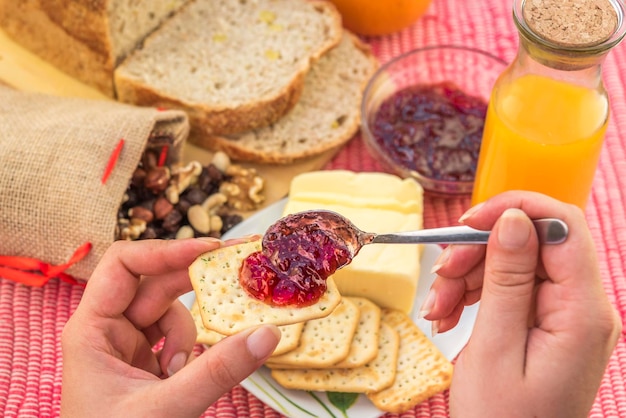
(387, 274)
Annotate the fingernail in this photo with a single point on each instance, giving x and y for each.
(251, 237)
(471, 211)
(262, 342)
(434, 327)
(441, 260)
(428, 304)
(244, 239)
(177, 362)
(209, 239)
(514, 229)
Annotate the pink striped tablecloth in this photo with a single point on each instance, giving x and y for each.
(31, 320)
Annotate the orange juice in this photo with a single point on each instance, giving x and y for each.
(542, 135)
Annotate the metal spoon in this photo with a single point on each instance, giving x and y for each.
(343, 231)
(549, 231)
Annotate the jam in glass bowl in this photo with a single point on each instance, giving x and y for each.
(423, 114)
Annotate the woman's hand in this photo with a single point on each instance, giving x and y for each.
(130, 304)
(545, 329)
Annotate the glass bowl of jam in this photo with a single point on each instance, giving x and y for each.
(423, 114)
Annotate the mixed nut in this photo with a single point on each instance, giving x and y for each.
(190, 200)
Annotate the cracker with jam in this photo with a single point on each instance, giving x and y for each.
(227, 308)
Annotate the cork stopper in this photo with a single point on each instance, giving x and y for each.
(571, 23)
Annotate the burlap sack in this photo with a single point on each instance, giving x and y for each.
(53, 154)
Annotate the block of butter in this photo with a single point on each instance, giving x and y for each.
(387, 274)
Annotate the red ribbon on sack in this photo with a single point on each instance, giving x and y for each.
(115, 155)
(163, 156)
(34, 272)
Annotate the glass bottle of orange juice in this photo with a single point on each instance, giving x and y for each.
(549, 111)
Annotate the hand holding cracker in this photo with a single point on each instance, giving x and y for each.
(129, 305)
(545, 329)
(225, 307)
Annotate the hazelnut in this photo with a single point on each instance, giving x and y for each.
(157, 179)
(138, 177)
(162, 207)
(140, 212)
(172, 221)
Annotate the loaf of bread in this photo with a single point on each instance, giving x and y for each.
(326, 116)
(232, 65)
(84, 38)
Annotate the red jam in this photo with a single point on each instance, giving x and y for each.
(299, 253)
(435, 130)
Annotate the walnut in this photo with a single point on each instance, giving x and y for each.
(244, 189)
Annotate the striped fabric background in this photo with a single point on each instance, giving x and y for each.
(31, 320)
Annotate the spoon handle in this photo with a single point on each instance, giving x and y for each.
(549, 231)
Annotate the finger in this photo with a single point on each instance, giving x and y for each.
(457, 260)
(242, 240)
(578, 242)
(115, 280)
(155, 295)
(501, 328)
(217, 370)
(179, 330)
(447, 323)
(460, 271)
(451, 319)
(157, 292)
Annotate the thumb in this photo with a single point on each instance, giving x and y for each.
(501, 327)
(196, 386)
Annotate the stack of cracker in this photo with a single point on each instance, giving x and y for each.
(387, 358)
(359, 348)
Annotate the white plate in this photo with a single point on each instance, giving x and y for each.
(293, 403)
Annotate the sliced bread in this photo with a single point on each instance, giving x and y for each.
(85, 39)
(233, 65)
(326, 116)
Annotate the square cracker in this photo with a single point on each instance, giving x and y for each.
(225, 307)
(324, 341)
(373, 376)
(289, 334)
(364, 345)
(422, 370)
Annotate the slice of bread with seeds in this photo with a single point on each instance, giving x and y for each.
(225, 307)
(233, 65)
(326, 116)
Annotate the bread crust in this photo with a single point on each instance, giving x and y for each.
(207, 120)
(70, 34)
(238, 151)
